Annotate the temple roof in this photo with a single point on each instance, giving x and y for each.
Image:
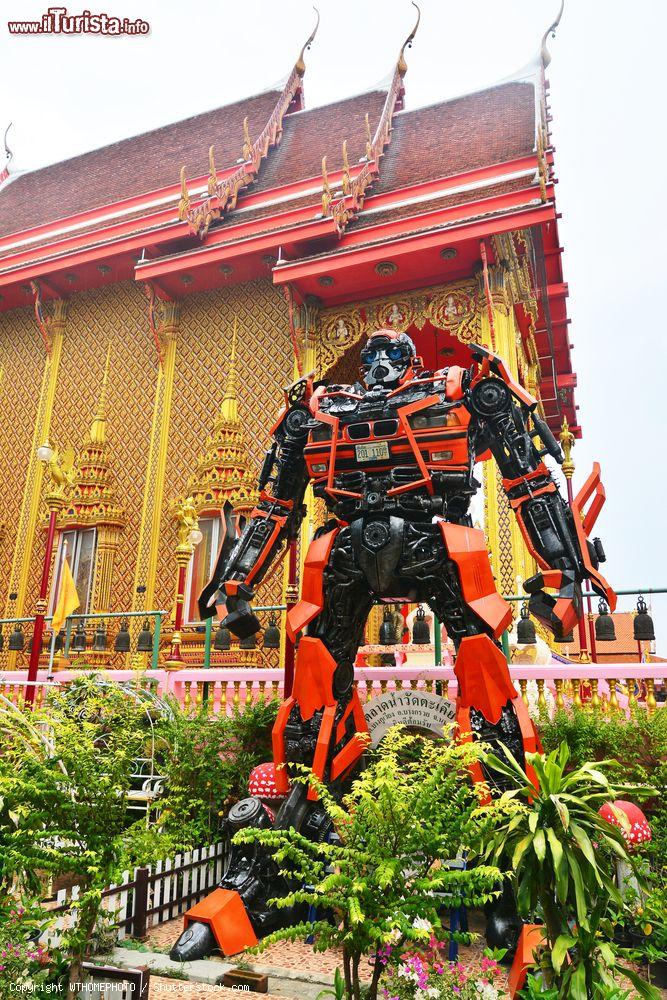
(135, 166)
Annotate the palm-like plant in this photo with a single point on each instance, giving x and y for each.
(561, 852)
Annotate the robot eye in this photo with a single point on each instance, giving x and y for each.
(368, 357)
(395, 353)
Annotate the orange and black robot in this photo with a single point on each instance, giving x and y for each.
(393, 458)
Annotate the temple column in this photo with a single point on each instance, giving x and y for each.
(509, 556)
(151, 515)
(52, 329)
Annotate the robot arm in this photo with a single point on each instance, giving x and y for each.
(507, 423)
(244, 562)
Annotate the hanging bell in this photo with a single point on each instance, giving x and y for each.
(122, 641)
(272, 634)
(525, 630)
(223, 639)
(604, 624)
(566, 640)
(643, 623)
(145, 638)
(249, 642)
(60, 641)
(421, 633)
(79, 640)
(17, 639)
(2, 641)
(387, 629)
(100, 638)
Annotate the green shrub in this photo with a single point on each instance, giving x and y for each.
(400, 821)
(635, 745)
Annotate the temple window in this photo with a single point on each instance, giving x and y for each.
(81, 551)
(201, 565)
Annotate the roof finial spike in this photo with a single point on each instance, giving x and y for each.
(212, 173)
(247, 141)
(402, 65)
(300, 65)
(347, 181)
(326, 189)
(369, 138)
(545, 55)
(184, 203)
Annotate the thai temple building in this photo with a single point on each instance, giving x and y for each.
(158, 293)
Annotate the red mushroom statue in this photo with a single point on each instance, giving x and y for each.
(632, 823)
(262, 784)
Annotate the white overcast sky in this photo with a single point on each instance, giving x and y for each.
(69, 94)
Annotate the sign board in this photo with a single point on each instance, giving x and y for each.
(416, 710)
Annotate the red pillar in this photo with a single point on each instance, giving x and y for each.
(38, 629)
(291, 597)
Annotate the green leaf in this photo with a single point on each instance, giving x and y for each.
(577, 986)
(520, 850)
(559, 951)
(562, 810)
(540, 845)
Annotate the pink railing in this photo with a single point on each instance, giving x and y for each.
(223, 689)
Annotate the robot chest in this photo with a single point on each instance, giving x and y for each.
(425, 436)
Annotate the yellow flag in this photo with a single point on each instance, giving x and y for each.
(68, 599)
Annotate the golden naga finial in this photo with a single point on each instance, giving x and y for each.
(326, 190)
(545, 55)
(62, 473)
(212, 173)
(300, 65)
(184, 203)
(401, 65)
(347, 180)
(247, 141)
(566, 438)
(369, 138)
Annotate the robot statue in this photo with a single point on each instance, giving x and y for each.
(393, 460)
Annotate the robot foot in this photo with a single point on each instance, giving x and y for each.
(236, 914)
(196, 941)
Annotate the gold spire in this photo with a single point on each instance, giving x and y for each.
(98, 428)
(229, 411)
(224, 472)
(567, 442)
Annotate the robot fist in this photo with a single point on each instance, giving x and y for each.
(559, 611)
(241, 620)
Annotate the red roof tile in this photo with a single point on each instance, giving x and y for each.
(132, 166)
(491, 126)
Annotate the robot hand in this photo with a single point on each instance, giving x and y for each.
(241, 620)
(559, 611)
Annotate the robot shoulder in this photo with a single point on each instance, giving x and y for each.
(455, 380)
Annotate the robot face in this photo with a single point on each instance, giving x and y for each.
(386, 358)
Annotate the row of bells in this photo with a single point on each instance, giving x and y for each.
(79, 643)
(605, 630)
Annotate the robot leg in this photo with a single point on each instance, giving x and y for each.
(320, 725)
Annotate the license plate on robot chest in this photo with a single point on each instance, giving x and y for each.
(375, 452)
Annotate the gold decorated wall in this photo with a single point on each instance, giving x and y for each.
(22, 359)
(164, 441)
(264, 365)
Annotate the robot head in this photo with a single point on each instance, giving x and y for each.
(387, 358)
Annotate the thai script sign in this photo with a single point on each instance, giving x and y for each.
(417, 710)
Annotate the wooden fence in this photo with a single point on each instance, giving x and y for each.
(144, 898)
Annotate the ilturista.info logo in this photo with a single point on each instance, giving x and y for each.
(57, 21)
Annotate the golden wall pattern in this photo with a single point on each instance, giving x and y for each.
(117, 316)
